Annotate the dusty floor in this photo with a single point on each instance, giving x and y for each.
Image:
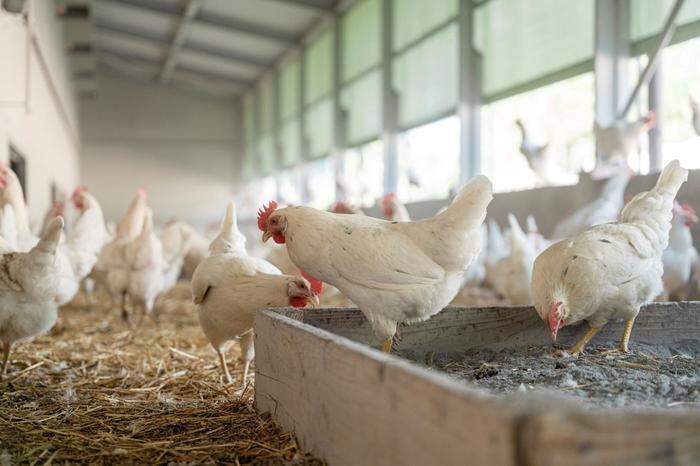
(647, 376)
(93, 392)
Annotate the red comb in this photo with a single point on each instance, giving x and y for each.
(78, 191)
(264, 213)
(316, 284)
(142, 193)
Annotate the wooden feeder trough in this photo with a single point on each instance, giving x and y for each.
(352, 405)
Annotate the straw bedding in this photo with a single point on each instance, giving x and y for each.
(93, 392)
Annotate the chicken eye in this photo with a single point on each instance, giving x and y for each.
(274, 220)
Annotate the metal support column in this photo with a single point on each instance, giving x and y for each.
(303, 140)
(389, 104)
(655, 134)
(612, 53)
(469, 106)
(338, 114)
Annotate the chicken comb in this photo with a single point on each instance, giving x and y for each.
(339, 206)
(688, 208)
(142, 193)
(264, 213)
(316, 284)
(77, 192)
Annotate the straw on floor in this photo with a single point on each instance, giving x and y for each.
(93, 392)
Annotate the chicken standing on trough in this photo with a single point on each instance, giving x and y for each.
(608, 271)
(621, 138)
(604, 209)
(229, 286)
(29, 282)
(393, 271)
(680, 256)
(393, 210)
(535, 154)
(78, 254)
(144, 256)
(512, 273)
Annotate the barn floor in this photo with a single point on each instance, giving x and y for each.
(92, 392)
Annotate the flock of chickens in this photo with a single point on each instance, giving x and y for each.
(604, 262)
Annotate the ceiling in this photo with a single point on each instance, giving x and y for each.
(217, 47)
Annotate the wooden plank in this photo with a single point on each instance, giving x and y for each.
(616, 438)
(353, 405)
(458, 328)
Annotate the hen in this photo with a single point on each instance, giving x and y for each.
(28, 285)
(512, 273)
(680, 256)
(13, 196)
(176, 239)
(621, 138)
(535, 154)
(394, 271)
(57, 209)
(539, 242)
(496, 249)
(144, 256)
(608, 271)
(229, 286)
(78, 254)
(602, 210)
(393, 210)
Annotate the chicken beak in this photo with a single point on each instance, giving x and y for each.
(315, 300)
(266, 235)
(554, 334)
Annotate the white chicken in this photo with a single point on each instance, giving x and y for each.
(229, 286)
(78, 254)
(8, 226)
(695, 119)
(496, 249)
(605, 208)
(144, 256)
(609, 271)
(176, 239)
(112, 264)
(512, 273)
(680, 256)
(476, 273)
(394, 271)
(28, 285)
(13, 196)
(620, 139)
(57, 209)
(539, 242)
(535, 154)
(393, 210)
(344, 207)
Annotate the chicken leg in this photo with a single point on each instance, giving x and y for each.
(386, 346)
(583, 341)
(626, 335)
(247, 354)
(5, 357)
(224, 367)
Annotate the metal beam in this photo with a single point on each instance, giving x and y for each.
(148, 60)
(179, 38)
(209, 19)
(655, 133)
(611, 58)
(101, 24)
(389, 105)
(469, 106)
(317, 6)
(338, 113)
(666, 35)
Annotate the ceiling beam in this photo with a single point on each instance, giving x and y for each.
(209, 19)
(317, 6)
(191, 11)
(102, 24)
(150, 61)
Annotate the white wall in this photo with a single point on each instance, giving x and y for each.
(179, 146)
(37, 104)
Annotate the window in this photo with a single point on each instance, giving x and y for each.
(320, 183)
(253, 195)
(639, 160)
(680, 82)
(429, 161)
(560, 114)
(362, 174)
(289, 187)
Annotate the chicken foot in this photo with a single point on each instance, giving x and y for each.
(583, 341)
(224, 367)
(623, 347)
(386, 346)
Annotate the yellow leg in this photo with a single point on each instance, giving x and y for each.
(224, 367)
(386, 346)
(583, 341)
(5, 356)
(626, 335)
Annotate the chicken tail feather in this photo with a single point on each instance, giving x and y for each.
(51, 237)
(468, 209)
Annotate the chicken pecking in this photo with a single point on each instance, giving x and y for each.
(229, 286)
(608, 271)
(394, 271)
